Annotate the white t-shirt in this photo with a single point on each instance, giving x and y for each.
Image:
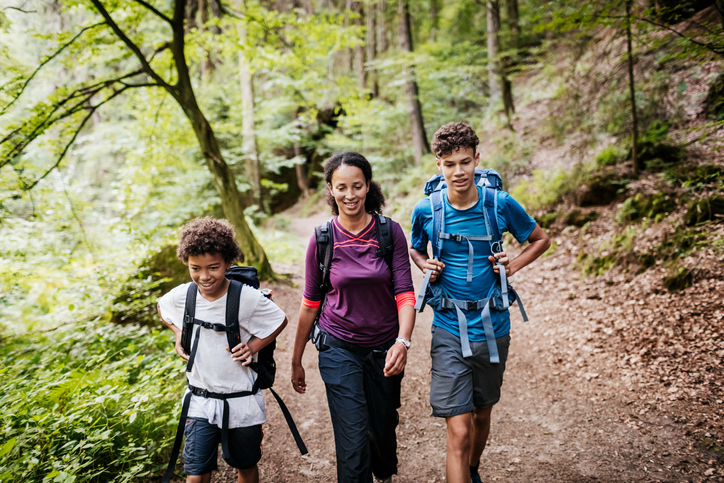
(213, 368)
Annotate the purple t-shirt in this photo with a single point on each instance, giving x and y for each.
(361, 306)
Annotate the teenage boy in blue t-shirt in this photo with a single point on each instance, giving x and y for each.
(464, 389)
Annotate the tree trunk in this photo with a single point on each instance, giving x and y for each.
(632, 89)
(414, 110)
(434, 19)
(382, 43)
(371, 46)
(203, 20)
(301, 170)
(248, 127)
(359, 51)
(514, 23)
(224, 180)
(494, 76)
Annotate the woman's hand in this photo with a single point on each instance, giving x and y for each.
(503, 259)
(435, 265)
(298, 382)
(396, 359)
(241, 353)
(180, 350)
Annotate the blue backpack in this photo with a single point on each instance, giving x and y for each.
(501, 295)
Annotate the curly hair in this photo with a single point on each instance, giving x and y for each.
(374, 201)
(208, 235)
(453, 136)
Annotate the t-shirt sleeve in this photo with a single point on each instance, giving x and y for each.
(265, 318)
(516, 220)
(312, 275)
(172, 305)
(418, 236)
(401, 273)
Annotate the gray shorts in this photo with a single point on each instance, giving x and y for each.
(461, 384)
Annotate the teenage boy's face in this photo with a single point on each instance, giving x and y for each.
(349, 189)
(458, 168)
(208, 271)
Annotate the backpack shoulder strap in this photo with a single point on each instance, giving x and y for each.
(490, 212)
(233, 335)
(325, 245)
(188, 320)
(438, 222)
(383, 225)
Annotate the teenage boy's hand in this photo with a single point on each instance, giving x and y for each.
(504, 260)
(180, 350)
(435, 265)
(396, 359)
(241, 353)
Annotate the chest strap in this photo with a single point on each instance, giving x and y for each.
(471, 252)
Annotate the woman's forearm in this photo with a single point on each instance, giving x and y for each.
(304, 328)
(406, 316)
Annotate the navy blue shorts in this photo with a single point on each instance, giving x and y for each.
(202, 446)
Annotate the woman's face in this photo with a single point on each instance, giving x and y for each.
(349, 189)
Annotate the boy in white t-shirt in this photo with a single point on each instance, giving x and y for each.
(208, 247)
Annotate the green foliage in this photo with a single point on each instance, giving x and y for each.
(610, 156)
(703, 211)
(698, 175)
(88, 402)
(545, 220)
(679, 281)
(653, 207)
(545, 189)
(579, 218)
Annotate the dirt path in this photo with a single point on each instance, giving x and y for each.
(566, 415)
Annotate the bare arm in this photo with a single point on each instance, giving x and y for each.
(424, 263)
(538, 244)
(177, 333)
(304, 328)
(396, 359)
(246, 350)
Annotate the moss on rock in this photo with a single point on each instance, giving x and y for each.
(711, 208)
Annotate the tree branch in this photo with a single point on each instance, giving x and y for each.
(129, 43)
(712, 47)
(19, 9)
(153, 9)
(91, 111)
(57, 52)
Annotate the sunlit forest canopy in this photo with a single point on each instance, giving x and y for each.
(120, 120)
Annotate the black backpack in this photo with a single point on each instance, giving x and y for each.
(265, 367)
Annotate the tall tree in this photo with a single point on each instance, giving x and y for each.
(500, 87)
(359, 50)
(77, 105)
(514, 23)
(632, 91)
(382, 43)
(371, 45)
(248, 125)
(414, 109)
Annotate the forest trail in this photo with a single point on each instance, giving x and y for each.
(555, 422)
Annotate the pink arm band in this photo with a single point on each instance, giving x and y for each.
(406, 298)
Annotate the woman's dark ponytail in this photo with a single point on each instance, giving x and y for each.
(375, 200)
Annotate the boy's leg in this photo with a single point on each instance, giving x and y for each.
(383, 400)
(487, 381)
(480, 432)
(342, 373)
(451, 397)
(249, 475)
(200, 451)
(458, 448)
(245, 452)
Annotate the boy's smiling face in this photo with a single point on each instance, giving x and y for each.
(208, 271)
(458, 168)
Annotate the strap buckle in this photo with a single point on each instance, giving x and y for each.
(456, 237)
(497, 246)
(202, 392)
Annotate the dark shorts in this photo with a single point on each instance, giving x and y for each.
(461, 384)
(202, 445)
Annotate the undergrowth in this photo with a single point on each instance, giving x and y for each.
(87, 402)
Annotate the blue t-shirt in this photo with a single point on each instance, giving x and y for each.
(511, 217)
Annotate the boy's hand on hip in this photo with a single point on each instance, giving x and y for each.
(435, 265)
(396, 359)
(503, 259)
(180, 350)
(241, 353)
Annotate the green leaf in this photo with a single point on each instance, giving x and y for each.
(7, 447)
(71, 307)
(682, 87)
(52, 474)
